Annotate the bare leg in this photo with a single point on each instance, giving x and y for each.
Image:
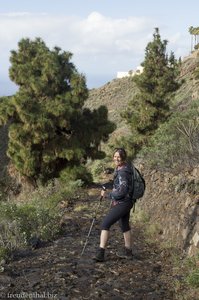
(128, 239)
(104, 238)
(127, 251)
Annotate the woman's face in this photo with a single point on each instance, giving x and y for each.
(117, 159)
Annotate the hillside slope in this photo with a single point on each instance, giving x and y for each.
(189, 91)
(115, 95)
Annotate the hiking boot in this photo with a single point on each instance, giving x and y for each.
(100, 255)
(125, 253)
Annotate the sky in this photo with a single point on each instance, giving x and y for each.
(104, 36)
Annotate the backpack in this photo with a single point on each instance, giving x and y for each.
(138, 184)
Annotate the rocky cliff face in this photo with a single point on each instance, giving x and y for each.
(172, 203)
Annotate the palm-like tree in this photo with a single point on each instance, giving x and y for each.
(194, 31)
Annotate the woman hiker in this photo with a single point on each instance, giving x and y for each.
(121, 206)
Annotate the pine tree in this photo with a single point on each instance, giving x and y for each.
(50, 130)
(156, 85)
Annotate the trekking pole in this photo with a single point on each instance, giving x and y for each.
(93, 221)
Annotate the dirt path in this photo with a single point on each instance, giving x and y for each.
(58, 271)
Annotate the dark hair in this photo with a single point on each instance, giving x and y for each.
(122, 153)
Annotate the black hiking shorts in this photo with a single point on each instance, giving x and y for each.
(119, 212)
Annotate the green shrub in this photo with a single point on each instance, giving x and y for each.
(37, 216)
(193, 279)
(176, 143)
(139, 215)
(96, 168)
(20, 222)
(192, 264)
(76, 173)
(4, 255)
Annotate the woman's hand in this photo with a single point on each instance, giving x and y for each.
(103, 193)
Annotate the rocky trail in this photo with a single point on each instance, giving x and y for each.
(57, 270)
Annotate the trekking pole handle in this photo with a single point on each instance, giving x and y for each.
(104, 189)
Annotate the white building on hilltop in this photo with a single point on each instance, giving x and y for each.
(130, 73)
